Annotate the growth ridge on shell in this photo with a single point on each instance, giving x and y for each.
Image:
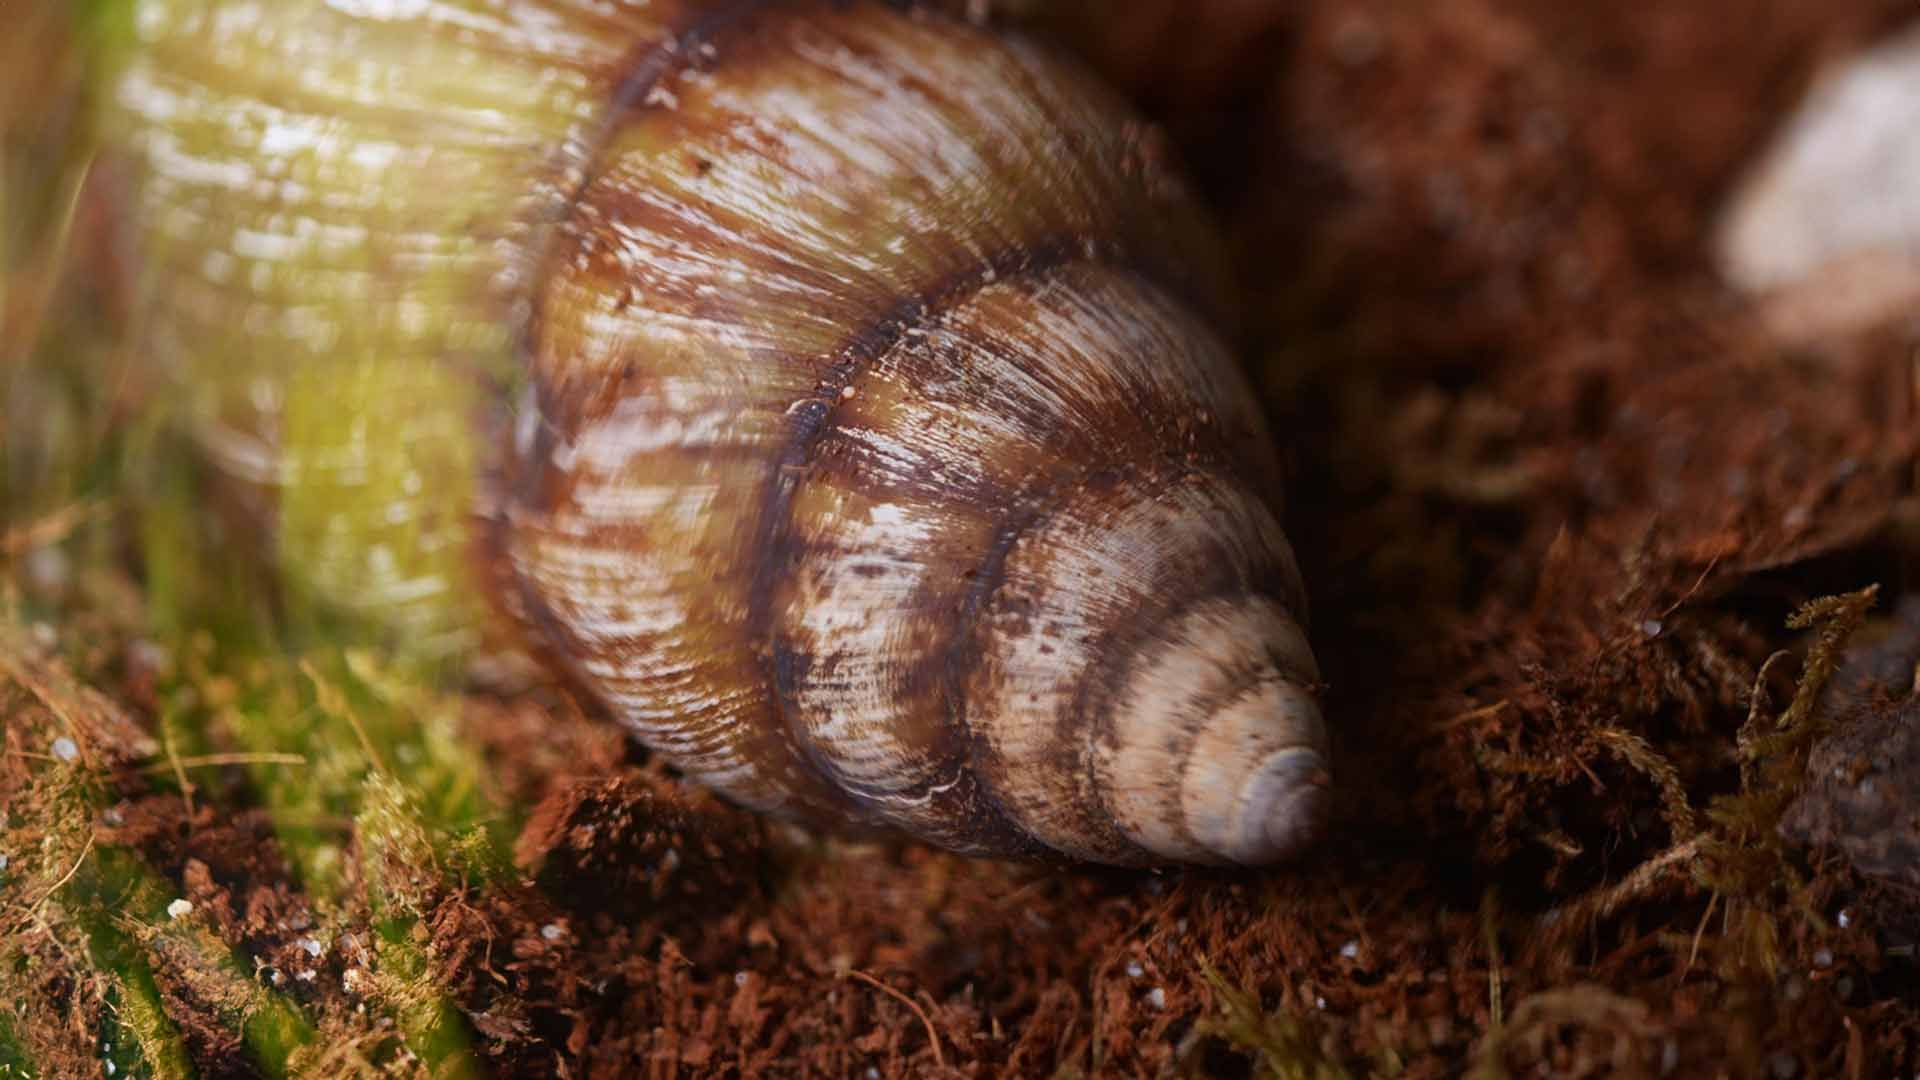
(838, 394)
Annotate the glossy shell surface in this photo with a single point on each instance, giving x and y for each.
(833, 389)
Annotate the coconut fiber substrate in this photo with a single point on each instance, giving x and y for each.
(1608, 578)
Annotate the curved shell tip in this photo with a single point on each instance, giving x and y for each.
(1217, 752)
(1248, 801)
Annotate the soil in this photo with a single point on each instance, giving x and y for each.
(1555, 491)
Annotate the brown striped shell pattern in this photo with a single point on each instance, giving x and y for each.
(831, 389)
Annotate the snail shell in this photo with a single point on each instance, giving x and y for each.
(831, 388)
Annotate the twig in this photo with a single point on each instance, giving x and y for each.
(1700, 932)
(211, 761)
(1604, 902)
(1640, 754)
(1096, 1048)
(1688, 595)
(179, 770)
(1743, 739)
(1490, 931)
(68, 876)
(933, 1036)
(1022, 893)
(1484, 712)
(329, 695)
(51, 529)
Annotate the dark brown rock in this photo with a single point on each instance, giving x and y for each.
(1863, 780)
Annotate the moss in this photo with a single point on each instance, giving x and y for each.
(402, 871)
(136, 1034)
(63, 885)
(142, 947)
(1748, 861)
(66, 881)
(15, 1062)
(124, 907)
(1282, 1045)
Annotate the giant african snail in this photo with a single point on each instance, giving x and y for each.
(828, 386)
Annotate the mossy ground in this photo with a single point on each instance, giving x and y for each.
(1557, 495)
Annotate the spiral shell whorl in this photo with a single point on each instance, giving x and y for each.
(1220, 701)
(874, 455)
(1119, 662)
(869, 424)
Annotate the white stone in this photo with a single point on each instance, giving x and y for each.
(1825, 228)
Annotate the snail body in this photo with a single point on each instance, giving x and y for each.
(830, 388)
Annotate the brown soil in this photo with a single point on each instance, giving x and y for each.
(1556, 494)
